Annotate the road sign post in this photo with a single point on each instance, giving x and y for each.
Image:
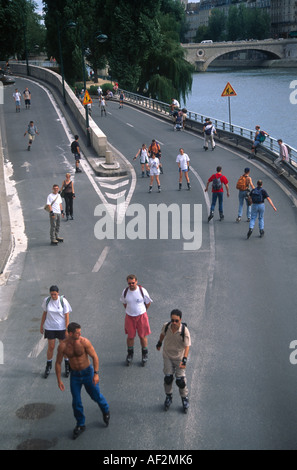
(229, 91)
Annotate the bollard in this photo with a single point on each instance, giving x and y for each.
(109, 159)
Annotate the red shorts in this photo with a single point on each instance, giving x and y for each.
(139, 324)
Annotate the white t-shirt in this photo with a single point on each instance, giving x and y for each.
(55, 317)
(56, 205)
(153, 164)
(135, 302)
(183, 160)
(17, 96)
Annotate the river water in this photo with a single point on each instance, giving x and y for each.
(264, 97)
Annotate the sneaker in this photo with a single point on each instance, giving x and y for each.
(168, 401)
(185, 402)
(106, 418)
(77, 431)
(249, 233)
(29, 148)
(54, 242)
(222, 217)
(150, 189)
(248, 219)
(238, 219)
(78, 170)
(210, 217)
(159, 189)
(189, 186)
(59, 239)
(261, 233)
(205, 148)
(179, 186)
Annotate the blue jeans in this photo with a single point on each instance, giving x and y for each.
(241, 197)
(216, 196)
(257, 211)
(77, 380)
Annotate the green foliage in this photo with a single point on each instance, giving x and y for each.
(240, 23)
(143, 42)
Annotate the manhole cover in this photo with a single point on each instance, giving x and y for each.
(36, 444)
(35, 411)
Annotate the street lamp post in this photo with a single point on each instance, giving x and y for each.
(68, 25)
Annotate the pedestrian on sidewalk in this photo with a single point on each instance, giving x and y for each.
(78, 350)
(54, 323)
(31, 131)
(177, 342)
(54, 201)
(209, 130)
(17, 100)
(67, 189)
(76, 152)
(154, 165)
(183, 162)
(217, 180)
(282, 158)
(143, 159)
(136, 301)
(243, 185)
(258, 196)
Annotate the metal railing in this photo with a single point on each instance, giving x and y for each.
(269, 144)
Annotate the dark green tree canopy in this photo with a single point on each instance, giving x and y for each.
(143, 50)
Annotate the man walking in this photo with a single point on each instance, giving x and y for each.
(78, 350)
(136, 301)
(217, 180)
(54, 202)
(183, 162)
(258, 196)
(243, 185)
(31, 131)
(76, 152)
(177, 342)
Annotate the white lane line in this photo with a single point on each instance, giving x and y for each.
(101, 260)
(38, 348)
(212, 241)
(116, 196)
(130, 125)
(114, 186)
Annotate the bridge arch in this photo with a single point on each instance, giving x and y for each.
(271, 55)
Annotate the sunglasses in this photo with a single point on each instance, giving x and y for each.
(175, 321)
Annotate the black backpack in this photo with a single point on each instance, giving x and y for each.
(74, 147)
(217, 184)
(182, 331)
(257, 196)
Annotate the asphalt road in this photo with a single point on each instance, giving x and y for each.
(237, 295)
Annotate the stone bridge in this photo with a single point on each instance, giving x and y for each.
(202, 55)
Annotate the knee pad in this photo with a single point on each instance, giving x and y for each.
(168, 379)
(180, 382)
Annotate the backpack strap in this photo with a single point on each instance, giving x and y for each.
(182, 331)
(61, 301)
(140, 288)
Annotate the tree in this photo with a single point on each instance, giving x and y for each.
(216, 25)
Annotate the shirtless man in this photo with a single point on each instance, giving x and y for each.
(78, 350)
